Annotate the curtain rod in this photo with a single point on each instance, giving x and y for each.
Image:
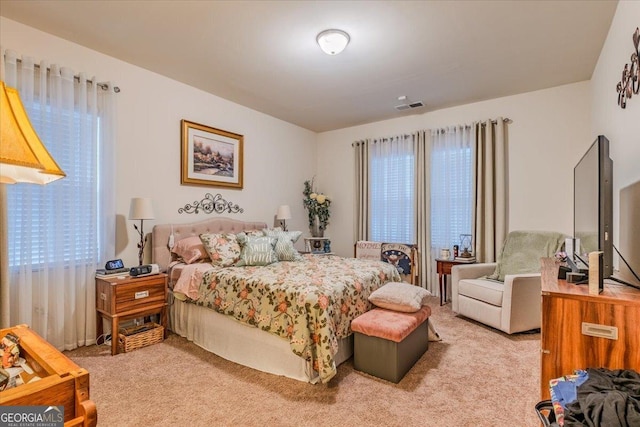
(483, 123)
(76, 77)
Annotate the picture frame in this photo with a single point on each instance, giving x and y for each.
(210, 156)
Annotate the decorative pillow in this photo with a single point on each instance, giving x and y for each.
(190, 249)
(254, 233)
(284, 245)
(256, 250)
(522, 251)
(223, 248)
(400, 296)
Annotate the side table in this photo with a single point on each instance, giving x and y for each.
(443, 268)
(129, 298)
(317, 245)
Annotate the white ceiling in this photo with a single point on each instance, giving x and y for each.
(263, 54)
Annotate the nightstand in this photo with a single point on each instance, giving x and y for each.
(129, 298)
(443, 267)
(317, 245)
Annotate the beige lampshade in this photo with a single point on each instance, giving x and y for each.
(141, 208)
(284, 212)
(23, 157)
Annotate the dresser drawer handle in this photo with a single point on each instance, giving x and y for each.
(141, 294)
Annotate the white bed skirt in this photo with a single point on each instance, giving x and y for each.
(243, 344)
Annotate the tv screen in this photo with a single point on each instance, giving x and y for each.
(593, 203)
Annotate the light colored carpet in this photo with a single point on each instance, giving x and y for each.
(475, 376)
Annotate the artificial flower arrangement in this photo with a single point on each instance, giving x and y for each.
(317, 204)
(561, 256)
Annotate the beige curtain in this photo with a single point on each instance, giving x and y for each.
(423, 210)
(491, 191)
(361, 218)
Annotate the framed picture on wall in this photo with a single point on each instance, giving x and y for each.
(210, 156)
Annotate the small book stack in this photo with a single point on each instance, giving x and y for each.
(465, 259)
(102, 273)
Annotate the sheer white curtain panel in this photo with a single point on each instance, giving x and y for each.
(60, 233)
(451, 187)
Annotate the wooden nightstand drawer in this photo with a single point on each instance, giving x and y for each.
(115, 296)
(133, 295)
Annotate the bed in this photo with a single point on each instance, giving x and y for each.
(289, 318)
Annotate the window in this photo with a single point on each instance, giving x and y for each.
(392, 191)
(39, 215)
(392, 188)
(451, 186)
(58, 234)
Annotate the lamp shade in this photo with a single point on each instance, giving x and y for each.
(141, 208)
(23, 157)
(332, 42)
(284, 212)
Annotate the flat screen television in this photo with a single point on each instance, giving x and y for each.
(593, 204)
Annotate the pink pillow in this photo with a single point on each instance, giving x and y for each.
(190, 249)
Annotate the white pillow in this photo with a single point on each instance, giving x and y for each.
(400, 296)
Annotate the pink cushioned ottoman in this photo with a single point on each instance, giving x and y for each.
(388, 343)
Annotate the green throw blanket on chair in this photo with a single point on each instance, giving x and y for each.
(522, 251)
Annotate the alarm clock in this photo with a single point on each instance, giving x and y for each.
(144, 270)
(114, 264)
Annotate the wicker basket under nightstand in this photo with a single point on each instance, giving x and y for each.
(135, 337)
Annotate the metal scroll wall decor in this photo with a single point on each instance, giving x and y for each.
(630, 83)
(210, 204)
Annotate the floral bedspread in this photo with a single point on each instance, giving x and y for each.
(310, 302)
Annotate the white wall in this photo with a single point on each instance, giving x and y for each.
(278, 156)
(620, 126)
(549, 129)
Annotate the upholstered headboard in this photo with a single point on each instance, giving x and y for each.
(161, 232)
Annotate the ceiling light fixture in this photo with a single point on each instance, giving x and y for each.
(332, 42)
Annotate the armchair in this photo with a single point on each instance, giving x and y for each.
(506, 295)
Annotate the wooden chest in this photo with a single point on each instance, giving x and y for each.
(63, 382)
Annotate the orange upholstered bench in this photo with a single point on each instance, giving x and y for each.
(388, 343)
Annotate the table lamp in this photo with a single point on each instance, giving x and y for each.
(284, 213)
(23, 157)
(141, 208)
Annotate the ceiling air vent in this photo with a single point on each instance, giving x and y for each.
(403, 107)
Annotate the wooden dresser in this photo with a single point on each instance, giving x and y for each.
(570, 318)
(63, 382)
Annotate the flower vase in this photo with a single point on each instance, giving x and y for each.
(316, 229)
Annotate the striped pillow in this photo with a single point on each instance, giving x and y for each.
(256, 250)
(284, 246)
